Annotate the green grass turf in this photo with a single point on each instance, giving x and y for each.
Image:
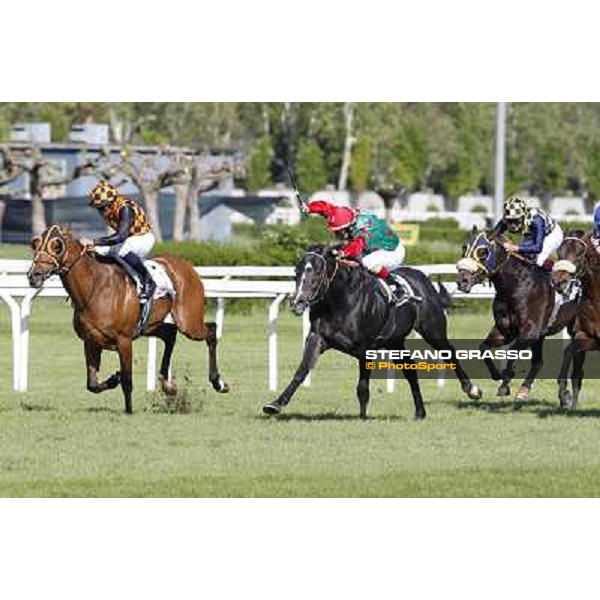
(59, 440)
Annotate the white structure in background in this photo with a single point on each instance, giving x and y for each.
(333, 196)
(89, 133)
(286, 211)
(424, 202)
(368, 200)
(567, 207)
(37, 133)
(478, 204)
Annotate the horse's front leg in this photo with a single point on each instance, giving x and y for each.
(582, 345)
(93, 355)
(494, 338)
(362, 389)
(577, 377)
(125, 350)
(313, 348)
(564, 395)
(537, 361)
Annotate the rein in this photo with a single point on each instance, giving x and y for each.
(325, 280)
(471, 257)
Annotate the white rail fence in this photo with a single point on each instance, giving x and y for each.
(271, 283)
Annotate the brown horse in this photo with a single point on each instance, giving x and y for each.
(579, 258)
(107, 309)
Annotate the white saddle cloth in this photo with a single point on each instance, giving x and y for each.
(164, 285)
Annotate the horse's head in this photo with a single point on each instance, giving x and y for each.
(52, 252)
(481, 257)
(571, 261)
(314, 272)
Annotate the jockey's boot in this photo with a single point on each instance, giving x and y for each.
(148, 285)
(398, 291)
(400, 288)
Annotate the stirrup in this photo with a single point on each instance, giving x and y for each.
(145, 310)
(147, 291)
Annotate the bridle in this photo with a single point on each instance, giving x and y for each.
(581, 263)
(472, 255)
(472, 258)
(324, 280)
(54, 258)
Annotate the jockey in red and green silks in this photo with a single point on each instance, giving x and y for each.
(368, 238)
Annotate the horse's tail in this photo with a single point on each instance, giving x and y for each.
(444, 294)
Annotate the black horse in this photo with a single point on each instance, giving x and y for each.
(523, 307)
(350, 312)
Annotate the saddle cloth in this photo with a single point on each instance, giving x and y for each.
(402, 292)
(164, 285)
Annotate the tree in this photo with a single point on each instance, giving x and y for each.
(348, 142)
(412, 156)
(360, 169)
(41, 175)
(150, 174)
(310, 167)
(592, 170)
(259, 165)
(550, 173)
(202, 173)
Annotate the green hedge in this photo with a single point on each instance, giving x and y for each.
(440, 242)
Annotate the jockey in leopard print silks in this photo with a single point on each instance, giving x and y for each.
(542, 234)
(132, 240)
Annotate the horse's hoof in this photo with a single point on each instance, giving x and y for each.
(113, 381)
(272, 409)
(420, 416)
(169, 388)
(566, 400)
(475, 393)
(503, 390)
(522, 395)
(220, 386)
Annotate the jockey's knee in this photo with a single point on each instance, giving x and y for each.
(379, 271)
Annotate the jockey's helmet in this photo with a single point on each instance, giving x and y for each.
(338, 217)
(515, 212)
(103, 194)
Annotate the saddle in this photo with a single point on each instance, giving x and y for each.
(163, 286)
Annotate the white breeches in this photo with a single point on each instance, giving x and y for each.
(551, 244)
(138, 244)
(390, 259)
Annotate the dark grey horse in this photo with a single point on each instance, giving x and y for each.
(351, 313)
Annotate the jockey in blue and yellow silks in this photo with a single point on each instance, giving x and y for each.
(542, 234)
